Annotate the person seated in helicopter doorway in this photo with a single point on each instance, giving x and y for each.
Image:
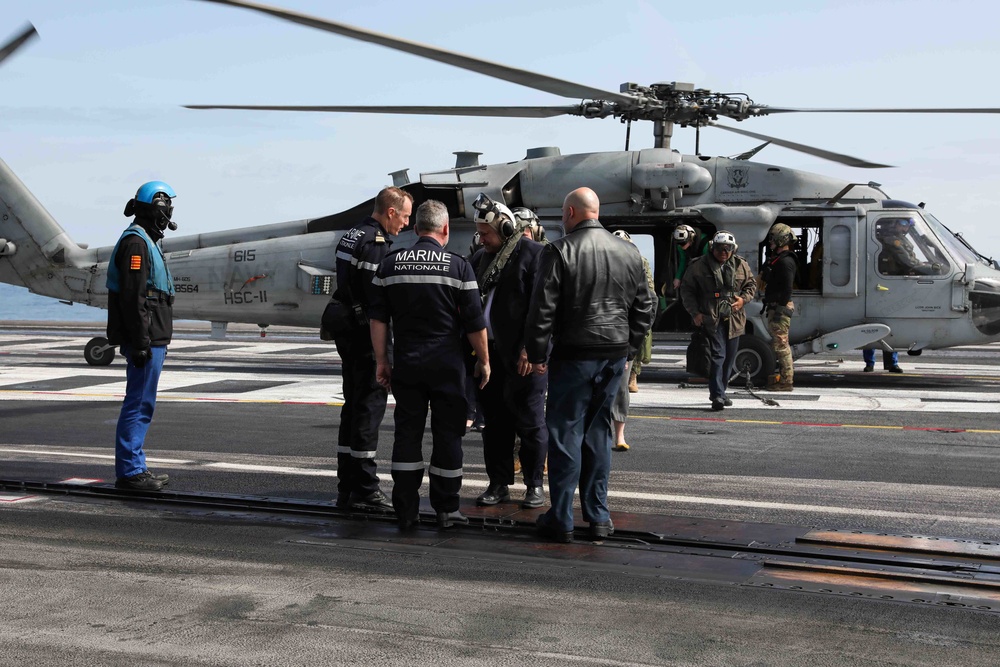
(890, 361)
(713, 291)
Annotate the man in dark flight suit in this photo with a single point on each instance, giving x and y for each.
(140, 319)
(513, 403)
(431, 297)
(359, 253)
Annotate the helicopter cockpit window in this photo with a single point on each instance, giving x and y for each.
(908, 248)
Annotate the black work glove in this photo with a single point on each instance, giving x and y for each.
(140, 357)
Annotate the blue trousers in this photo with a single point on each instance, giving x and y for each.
(889, 359)
(723, 351)
(578, 416)
(137, 411)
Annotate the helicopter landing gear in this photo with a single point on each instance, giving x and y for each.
(97, 352)
(754, 358)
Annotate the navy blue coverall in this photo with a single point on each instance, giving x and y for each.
(432, 299)
(359, 253)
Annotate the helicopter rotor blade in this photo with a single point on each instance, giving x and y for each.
(803, 148)
(17, 42)
(497, 71)
(502, 112)
(765, 110)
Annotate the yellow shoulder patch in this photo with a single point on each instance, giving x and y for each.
(379, 238)
(136, 262)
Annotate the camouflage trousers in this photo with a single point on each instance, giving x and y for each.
(778, 326)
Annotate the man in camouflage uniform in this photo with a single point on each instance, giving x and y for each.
(777, 277)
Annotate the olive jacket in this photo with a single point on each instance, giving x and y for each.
(703, 290)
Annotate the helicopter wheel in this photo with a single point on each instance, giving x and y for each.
(756, 357)
(97, 352)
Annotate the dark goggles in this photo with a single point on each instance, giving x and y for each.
(485, 206)
(724, 247)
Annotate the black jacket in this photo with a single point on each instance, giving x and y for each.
(511, 296)
(137, 316)
(591, 298)
(431, 297)
(360, 250)
(778, 275)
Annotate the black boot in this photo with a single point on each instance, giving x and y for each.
(494, 493)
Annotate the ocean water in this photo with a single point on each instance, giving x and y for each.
(17, 303)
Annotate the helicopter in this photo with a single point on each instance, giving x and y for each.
(847, 296)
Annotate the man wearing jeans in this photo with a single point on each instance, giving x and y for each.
(591, 303)
(140, 320)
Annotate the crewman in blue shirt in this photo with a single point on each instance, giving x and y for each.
(432, 299)
(140, 320)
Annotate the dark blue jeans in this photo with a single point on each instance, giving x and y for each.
(723, 349)
(578, 415)
(137, 411)
(889, 359)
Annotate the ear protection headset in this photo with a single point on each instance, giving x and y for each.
(496, 215)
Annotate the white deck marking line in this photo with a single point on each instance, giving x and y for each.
(49, 452)
(625, 495)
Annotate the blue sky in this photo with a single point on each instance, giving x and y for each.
(92, 109)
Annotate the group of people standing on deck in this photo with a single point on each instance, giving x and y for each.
(547, 332)
(557, 320)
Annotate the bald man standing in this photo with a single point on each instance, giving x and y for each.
(592, 308)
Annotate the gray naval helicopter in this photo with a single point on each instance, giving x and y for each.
(853, 288)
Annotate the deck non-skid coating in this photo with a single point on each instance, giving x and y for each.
(227, 387)
(63, 383)
(730, 552)
(303, 350)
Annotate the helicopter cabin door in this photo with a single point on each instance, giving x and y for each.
(909, 274)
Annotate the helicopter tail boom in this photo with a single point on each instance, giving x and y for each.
(35, 252)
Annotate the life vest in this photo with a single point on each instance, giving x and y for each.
(159, 275)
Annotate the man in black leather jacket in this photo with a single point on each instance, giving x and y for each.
(592, 303)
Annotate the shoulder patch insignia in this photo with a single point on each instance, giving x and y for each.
(379, 238)
(136, 262)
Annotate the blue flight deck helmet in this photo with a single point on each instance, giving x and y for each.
(147, 191)
(153, 200)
